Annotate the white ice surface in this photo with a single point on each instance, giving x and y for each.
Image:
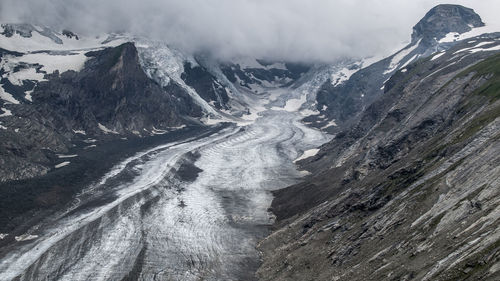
(488, 28)
(52, 63)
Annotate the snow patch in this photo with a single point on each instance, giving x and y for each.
(343, 75)
(292, 105)
(17, 78)
(51, 63)
(304, 173)
(66, 156)
(25, 237)
(7, 97)
(28, 95)
(474, 47)
(450, 37)
(60, 165)
(307, 154)
(158, 131)
(309, 112)
(81, 132)
(488, 28)
(329, 124)
(106, 130)
(177, 128)
(6, 112)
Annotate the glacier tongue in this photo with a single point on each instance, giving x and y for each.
(155, 226)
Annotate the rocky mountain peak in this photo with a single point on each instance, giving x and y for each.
(444, 19)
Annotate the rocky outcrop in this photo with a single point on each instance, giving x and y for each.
(408, 193)
(444, 19)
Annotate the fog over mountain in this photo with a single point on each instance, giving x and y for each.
(294, 30)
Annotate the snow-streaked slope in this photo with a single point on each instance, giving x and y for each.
(397, 59)
(163, 64)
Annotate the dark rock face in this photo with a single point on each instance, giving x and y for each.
(344, 102)
(206, 85)
(444, 19)
(69, 34)
(249, 76)
(24, 30)
(401, 195)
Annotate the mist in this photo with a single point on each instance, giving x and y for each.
(292, 30)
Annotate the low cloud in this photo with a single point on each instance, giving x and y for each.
(295, 30)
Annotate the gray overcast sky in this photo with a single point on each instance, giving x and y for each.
(283, 29)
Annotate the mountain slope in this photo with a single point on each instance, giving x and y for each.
(110, 95)
(411, 191)
(342, 101)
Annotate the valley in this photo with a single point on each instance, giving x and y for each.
(123, 157)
